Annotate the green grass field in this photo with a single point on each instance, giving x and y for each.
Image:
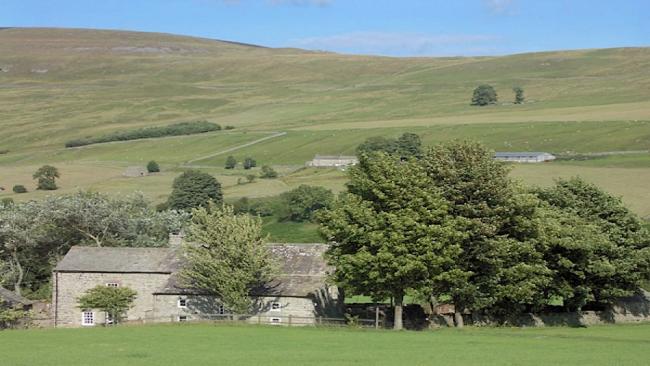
(61, 84)
(255, 345)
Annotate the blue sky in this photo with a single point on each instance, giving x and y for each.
(382, 27)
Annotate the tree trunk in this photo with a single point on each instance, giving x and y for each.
(399, 299)
(458, 318)
(21, 273)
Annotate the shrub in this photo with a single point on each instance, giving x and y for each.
(231, 162)
(177, 129)
(19, 188)
(250, 178)
(249, 163)
(229, 128)
(153, 167)
(268, 172)
(6, 202)
(114, 301)
(5, 151)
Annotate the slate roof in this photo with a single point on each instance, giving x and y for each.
(303, 269)
(12, 298)
(119, 260)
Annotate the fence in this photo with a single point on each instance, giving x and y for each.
(276, 320)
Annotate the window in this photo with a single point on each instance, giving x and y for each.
(112, 284)
(275, 306)
(221, 310)
(276, 320)
(109, 319)
(87, 318)
(182, 318)
(182, 303)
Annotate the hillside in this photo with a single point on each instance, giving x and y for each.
(61, 84)
(72, 83)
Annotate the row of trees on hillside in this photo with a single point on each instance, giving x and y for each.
(450, 225)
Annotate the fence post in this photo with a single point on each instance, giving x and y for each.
(376, 316)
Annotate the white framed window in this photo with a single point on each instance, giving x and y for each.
(109, 319)
(182, 318)
(276, 320)
(221, 310)
(112, 284)
(182, 303)
(88, 318)
(276, 306)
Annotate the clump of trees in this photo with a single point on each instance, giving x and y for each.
(408, 145)
(114, 301)
(194, 189)
(484, 95)
(454, 227)
(19, 188)
(153, 167)
(302, 203)
(176, 129)
(46, 178)
(34, 234)
(233, 258)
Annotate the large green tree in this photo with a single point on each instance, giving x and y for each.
(499, 263)
(391, 232)
(231, 257)
(114, 301)
(619, 254)
(406, 146)
(194, 189)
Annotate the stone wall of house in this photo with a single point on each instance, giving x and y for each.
(302, 311)
(68, 287)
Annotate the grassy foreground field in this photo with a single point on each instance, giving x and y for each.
(249, 345)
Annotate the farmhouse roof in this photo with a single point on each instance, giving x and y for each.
(520, 154)
(335, 157)
(119, 260)
(302, 271)
(12, 298)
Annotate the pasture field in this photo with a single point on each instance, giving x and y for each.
(206, 344)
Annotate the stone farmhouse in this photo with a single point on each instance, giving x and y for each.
(299, 294)
(337, 161)
(524, 157)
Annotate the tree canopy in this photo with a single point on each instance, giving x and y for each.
(408, 145)
(46, 177)
(484, 95)
(194, 189)
(391, 232)
(114, 301)
(231, 258)
(303, 202)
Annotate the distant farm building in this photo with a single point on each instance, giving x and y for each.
(135, 171)
(524, 157)
(333, 161)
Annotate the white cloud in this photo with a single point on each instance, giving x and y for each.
(501, 6)
(401, 44)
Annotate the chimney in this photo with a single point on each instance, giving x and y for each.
(175, 240)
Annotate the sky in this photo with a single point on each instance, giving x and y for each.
(377, 27)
